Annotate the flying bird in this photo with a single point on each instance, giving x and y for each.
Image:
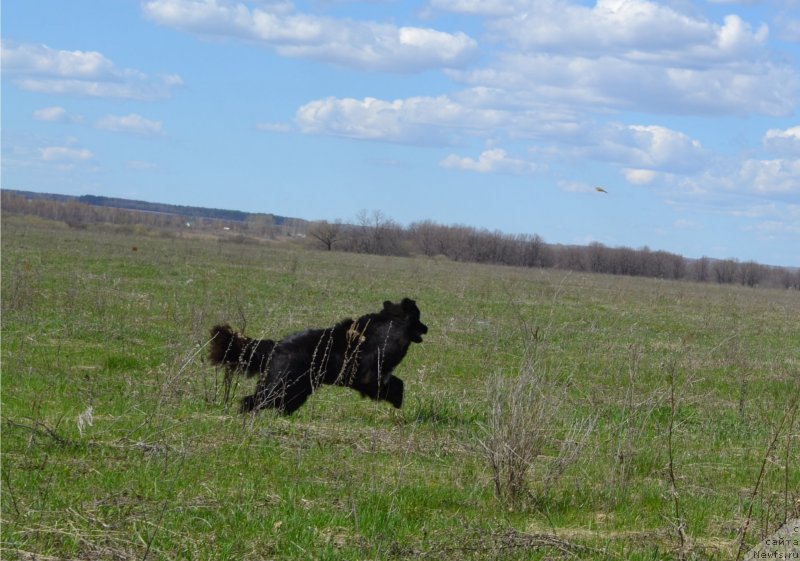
(601, 190)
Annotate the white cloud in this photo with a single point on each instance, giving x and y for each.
(130, 124)
(772, 176)
(56, 114)
(661, 148)
(785, 142)
(638, 30)
(610, 25)
(639, 176)
(41, 69)
(603, 82)
(44, 61)
(420, 120)
(443, 120)
(634, 55)
(363, 45)
(369, 119)
(732, 187)
(65, 154)
(495, 160)
(642, 150)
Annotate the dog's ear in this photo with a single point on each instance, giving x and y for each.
(392, 309)
(409, 306)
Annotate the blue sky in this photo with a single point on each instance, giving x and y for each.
(503, 115)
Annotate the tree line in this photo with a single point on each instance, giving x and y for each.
(376, 233)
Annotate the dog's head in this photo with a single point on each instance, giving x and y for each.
(407, 310)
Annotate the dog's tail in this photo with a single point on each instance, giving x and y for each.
(237, 352)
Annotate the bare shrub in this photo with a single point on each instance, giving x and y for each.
(524, 421)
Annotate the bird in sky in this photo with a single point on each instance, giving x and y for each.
(601, 190)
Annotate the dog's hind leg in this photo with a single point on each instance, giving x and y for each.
(285, 396)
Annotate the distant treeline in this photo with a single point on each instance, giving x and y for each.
(144, 206)
(375, 233)
(92, 209)
(187, 211)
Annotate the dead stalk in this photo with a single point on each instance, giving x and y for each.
(680, 521)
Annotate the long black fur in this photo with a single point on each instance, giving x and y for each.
(239, 354)
(360, 354)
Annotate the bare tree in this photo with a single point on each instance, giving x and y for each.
(751, 273)
(326, 233)
(376, 233)
(426, 236)
(700, 269)
(725, 271)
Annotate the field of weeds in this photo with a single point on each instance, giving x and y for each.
(547, 414)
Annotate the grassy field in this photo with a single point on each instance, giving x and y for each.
(663, 412)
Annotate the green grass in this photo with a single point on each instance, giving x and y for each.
(167, 470)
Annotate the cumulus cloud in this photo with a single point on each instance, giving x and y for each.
(130, 124)
(643, 150)
(443, 120)
(786, 142)
(41, 69)
(363, 45)
(367, 119)
(611, 82)
(641, 30)
(634, 55)
(65, 154)
(733, 187)
(772, 176)
(43, 61)
(660, 148)
(611, 25)
(420, 120)
(52, 114)
(495, 160)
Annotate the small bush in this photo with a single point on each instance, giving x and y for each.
(524, 421)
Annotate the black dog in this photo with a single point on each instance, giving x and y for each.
(358, 354)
